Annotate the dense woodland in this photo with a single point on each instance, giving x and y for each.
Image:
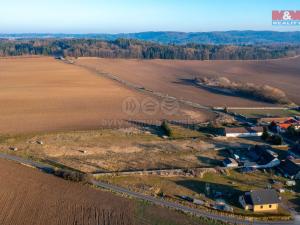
(246, 37)
(129, 48)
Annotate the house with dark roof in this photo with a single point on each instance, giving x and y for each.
(264, 200)
(291, 168)
(295, 151)
(243, 131)
(263, 156)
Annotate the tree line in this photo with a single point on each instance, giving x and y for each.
(130, 48)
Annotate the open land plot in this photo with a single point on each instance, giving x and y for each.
(43, 94)
(117, 150)
(172, 76)
(127, 149)
(32, 197)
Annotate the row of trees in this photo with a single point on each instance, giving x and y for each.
(128, 48)
(264, 93)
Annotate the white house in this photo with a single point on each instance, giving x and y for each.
(243, 131)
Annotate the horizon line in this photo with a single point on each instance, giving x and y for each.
(169, 31)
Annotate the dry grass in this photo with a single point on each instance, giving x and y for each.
(116, 150)
(263, 93)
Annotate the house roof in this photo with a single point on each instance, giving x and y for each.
(291, 121)
(274, 119)
(264, 196)
(247, 198)
(243, 130)
(291, 166)
(267, 156)
(256, 151)
(285, 125)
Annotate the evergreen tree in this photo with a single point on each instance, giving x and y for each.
(166, 128)
(265, 136)
(277, 139)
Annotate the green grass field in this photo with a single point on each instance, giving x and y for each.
(259, 113)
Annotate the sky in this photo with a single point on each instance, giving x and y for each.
(125, 16)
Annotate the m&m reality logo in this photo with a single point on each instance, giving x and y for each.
(286, 17)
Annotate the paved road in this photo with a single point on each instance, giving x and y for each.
(27, 162)
(153, 200)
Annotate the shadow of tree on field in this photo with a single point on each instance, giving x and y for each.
(191, 82)
(209, 162)
(153, 128)
(213, 190)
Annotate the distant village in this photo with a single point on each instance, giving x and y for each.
(283, 132)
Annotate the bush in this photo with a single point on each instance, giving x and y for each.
(71, 175)
(292, 131)
(265, 136)
(261, 92)
(166, 128)
(277, 139)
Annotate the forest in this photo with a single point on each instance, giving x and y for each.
(131, 48)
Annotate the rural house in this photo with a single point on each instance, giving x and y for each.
(291, 168)
(281, 124)
(260, 200)
(285, 125)
(269, 120)
(264, 157)
(243, 131)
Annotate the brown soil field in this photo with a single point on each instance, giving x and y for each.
(28, 196)
(170, 76)
(43, 94)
